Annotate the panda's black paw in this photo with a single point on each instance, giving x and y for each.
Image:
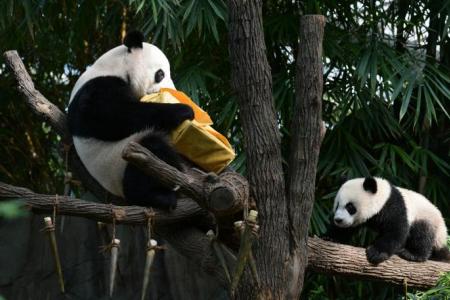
(374, 256)
(185, 112)
(166, 201)
(405, 254)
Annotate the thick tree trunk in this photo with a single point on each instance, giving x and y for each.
(281, 251)
(252, 83)
(305, 144)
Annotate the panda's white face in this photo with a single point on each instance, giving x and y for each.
(354, 204)
(147, 69)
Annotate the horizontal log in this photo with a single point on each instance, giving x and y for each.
(344, 260)
(39, 203)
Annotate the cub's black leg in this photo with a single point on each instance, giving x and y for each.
(441, 254)
(386, 245)
(419, 244)
(143, 190)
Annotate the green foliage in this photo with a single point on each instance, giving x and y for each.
(440, 291)
(11, 209)
(386, 95)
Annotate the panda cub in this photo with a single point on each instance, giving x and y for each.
(408, 223)
(105, 114)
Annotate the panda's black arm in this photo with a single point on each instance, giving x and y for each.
(392, 240)
(159, 115)
(105, 108)
(389, 241)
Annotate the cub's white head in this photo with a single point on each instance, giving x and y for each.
(144, 66)
(360, 199)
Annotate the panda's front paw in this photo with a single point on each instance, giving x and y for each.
(374, 256)
(165, 200)
(186, 112)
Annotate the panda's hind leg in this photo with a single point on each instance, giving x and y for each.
(419, 244)
(141, 189)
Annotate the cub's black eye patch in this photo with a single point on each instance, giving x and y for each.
(350, 208)
(159, 76)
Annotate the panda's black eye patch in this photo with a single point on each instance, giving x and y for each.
(350, 208)
(159, 76)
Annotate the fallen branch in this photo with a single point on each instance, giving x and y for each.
(344, 260)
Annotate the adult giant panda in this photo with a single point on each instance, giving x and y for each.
(408, 223)
(105, 114)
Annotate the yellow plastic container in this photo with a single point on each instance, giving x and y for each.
(196, 139)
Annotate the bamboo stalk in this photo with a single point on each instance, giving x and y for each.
(151, 249)
(52, 238)
(219, 253)
(239, 227)
(67, 179)
(247, 238)
(114, 255)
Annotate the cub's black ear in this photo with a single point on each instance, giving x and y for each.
(133, 39)
(370, 185)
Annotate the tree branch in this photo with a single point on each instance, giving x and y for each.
(35, 100)
(40, 203)
(223, 194)
(336, 259)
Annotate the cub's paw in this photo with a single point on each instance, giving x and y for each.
(405, 254)
(374, 256)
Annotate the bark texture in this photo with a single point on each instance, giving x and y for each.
(331, 258)
(251, 80)
(305, 144)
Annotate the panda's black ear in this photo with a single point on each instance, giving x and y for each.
(370, 185)
(133, 39)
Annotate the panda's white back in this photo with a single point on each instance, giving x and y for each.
(420, 208)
